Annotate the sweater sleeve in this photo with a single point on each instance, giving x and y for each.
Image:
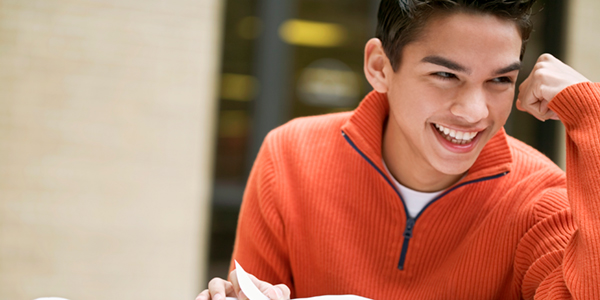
(260, 245)
(572, 270)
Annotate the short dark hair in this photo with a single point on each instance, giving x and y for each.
(399, 22)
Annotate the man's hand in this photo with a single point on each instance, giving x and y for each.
(548, 77)
(219, 288)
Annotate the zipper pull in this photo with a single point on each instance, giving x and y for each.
(408, 232)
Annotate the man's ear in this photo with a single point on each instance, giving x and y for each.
(375, 65)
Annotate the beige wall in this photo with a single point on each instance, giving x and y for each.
(583, 39)
(583, 46)
(106, 136)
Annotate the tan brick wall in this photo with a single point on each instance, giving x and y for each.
(107, 110)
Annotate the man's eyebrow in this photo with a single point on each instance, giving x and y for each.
(512, 67)
(444, 62)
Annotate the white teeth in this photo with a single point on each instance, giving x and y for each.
(456, 137)
(452, 133)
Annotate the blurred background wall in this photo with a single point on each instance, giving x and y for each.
(583, 38)
(107, 112)
(582, 47)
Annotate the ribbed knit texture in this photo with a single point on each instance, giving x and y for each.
(320, 217)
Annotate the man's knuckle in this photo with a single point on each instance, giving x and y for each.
(215, 282)
(545, 57)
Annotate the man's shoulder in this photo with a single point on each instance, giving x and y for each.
(313, 138)
(525, 156)
(307, 128)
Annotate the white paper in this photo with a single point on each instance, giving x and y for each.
(253, 293)
(247, 286)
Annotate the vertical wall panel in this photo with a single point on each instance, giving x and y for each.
(107, 111)
(583, 46)
(583, 38)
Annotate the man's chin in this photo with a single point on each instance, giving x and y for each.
(456, 166)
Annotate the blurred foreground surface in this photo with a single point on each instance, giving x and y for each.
(106, 121)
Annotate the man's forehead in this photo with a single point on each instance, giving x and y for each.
(461, 23)
(464, 42)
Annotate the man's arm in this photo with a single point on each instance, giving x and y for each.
(555, 91)
(260, 244)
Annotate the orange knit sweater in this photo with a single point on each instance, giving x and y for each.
(320, 214)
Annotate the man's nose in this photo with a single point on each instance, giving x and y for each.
(471, 105)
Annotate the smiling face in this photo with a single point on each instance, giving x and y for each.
(452, 92)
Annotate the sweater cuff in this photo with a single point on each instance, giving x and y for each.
(578, 102)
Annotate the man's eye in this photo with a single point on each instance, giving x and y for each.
(502, 80)
(444, 75)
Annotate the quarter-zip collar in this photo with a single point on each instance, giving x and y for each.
(365, 129)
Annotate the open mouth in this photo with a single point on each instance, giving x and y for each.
(455, 136)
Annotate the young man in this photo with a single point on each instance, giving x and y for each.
(419, 193)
